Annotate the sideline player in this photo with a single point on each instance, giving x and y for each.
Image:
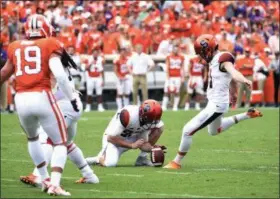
(33, 61)
(95, 79)
(174, 78)
(197, 77)
(123, 81)
(221, 88)
(132, 127)
(74, 153)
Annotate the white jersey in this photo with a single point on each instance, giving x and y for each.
(126, 123)
(219, 80)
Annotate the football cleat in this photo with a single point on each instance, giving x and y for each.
(252, 113)
(100, 108)
(89, 180)
(87, 109)
(31, 180)
(46, 184)
(143, 161)
(172, 165)
(57, 191)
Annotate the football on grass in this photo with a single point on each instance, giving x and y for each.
(157, 157)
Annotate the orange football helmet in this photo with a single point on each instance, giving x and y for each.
(38, 26)
(205, 46)
(150, 112)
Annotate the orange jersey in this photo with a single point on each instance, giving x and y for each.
(96, 66)
(245, 65)
(196, 67)
(122, 68)
(175, 64)
(30, 59)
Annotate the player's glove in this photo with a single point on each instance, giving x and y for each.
(163, 148)
(75, 105)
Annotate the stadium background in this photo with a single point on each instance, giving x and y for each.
(110, 25)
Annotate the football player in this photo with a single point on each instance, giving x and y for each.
(73, 151)
(95, 79)
(197, 77)
(221, 92)
(32, 61)
(123, 81)
(174, 77)
(132, 127)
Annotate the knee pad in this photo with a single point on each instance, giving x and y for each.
(213, 132)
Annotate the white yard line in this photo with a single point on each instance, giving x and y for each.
(175, 173)
(235, 170)
(125, 175)
(238, 151)
(124, 192)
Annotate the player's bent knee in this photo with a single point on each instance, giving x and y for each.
(109, 164)
(187, 130)
(212, 132)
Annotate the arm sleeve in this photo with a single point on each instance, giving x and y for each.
(225, 57)
(115, 127)
(61, 77)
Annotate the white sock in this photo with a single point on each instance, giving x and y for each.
(165, 101)
(37, 154)
(138, 100)
(126, 101)
(12, 107)
(88, 106)
(178, 158)
(184, 147)
(59, 157)
(143, 154)
(119, 102)
(76, 155)
(229, 121)
(55, 178)
(187, 105)
(48, 149)
(176, 102)
(197, 105)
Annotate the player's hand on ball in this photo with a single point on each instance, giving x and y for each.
(163, 148)
(137, 144)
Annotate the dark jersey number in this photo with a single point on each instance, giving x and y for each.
(126, 133)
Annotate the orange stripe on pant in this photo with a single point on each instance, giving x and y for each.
(62, 129)
(60, 114)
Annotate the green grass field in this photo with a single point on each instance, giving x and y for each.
(241, 162)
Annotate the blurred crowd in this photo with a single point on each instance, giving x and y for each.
(248, 29)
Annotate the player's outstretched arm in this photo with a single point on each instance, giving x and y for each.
(60, 76)
(236, 75)
(63, 82)
(6, 72)
(119, 141)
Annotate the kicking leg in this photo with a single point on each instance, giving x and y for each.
(222, 124)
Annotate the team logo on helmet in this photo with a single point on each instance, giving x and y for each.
(204, 44)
